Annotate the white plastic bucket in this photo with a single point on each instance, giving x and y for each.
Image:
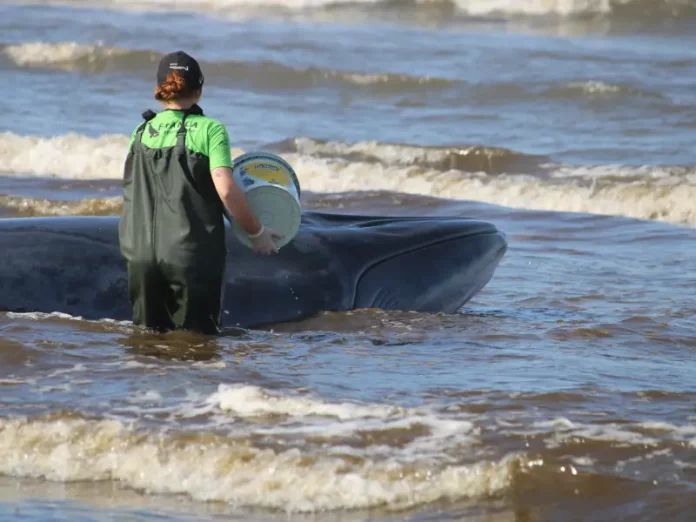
(273, 192)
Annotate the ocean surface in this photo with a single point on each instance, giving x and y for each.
(564, 391)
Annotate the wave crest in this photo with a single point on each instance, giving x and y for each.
(467, 158)
(258, 463)
(647, 192)
(30, 207)
(71, 56)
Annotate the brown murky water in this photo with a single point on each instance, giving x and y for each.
(564, 391)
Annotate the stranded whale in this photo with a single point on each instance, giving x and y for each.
(336, 262)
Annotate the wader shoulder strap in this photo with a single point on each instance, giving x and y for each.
(139, 134)
(147, 116)
(181, 135)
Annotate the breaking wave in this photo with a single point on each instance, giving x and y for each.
(72, 56)
(29, 207)
(251, 461)
(489, 175)
(97, 58)
(467, 158)
(249, 446)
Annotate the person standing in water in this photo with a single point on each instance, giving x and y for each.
(177, 181)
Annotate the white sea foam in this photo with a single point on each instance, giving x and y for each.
(41, 315)
(642, 192)
(259, 444)
(68, 156)
(63, 53)
(647, 434)
(375, 430)
(561, 431)
(249, 401)
(421, 433)
(666, 427)
(584, 461)
(374, 468)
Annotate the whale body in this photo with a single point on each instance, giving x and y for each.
(337, 262)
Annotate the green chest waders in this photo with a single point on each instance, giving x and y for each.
(172, 236)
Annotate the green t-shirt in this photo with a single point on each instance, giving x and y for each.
(203, 135)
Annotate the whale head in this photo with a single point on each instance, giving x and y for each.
(421, 263)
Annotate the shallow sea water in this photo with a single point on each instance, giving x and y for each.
(563, 391)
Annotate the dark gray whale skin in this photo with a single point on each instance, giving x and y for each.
(336, 262)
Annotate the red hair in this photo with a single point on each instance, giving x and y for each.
(172, 88)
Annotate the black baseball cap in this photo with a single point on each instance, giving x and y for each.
(185, 65)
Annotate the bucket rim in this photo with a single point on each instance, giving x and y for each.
(265, 153)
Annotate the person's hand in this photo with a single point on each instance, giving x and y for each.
(263, 242)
